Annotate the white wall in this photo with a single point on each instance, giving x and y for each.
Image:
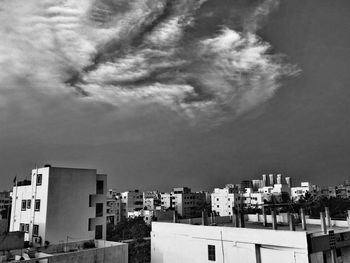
(170, 243)
(30, 216)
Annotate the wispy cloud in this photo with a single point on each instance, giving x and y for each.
(135, 53)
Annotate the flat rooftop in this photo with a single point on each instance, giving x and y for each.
(313, 229)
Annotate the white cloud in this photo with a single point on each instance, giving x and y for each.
(132, 52)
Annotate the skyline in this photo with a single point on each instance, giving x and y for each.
(298, 128)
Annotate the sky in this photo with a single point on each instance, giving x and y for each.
(160, 94)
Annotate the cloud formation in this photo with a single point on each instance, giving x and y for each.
(135, 52)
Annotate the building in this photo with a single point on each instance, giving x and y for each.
(5, 210)
(165, 201)
(253, 244)
(188, 204)
(60, 204)
(5, 202)
(343, 191)
(151, 200)
(300, 191)
(223, 200)
(114, 206)
(252, 199)
(132, 201)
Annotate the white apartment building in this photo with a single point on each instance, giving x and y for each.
(223, 200)
(131, 201)
(252, 199)
(165, 201)
(170, 243)
(60, 204)
(299, 191)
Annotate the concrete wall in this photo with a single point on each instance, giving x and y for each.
(339, 223)
(172, 244)
(111, 253)
(281, 218)
(69, 211)
(13, 240)
(211, 220)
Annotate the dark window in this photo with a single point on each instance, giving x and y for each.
(21, 227)
(35, 230)
(89, 224)
(99, 187)
(90, 199)
(211, 252)
(26, 229)
(39, 179)
(37, 205)
(99, 209)
(98, 231)
(28, 204)
(24, 205)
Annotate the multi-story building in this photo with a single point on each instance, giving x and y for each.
(188, 204)
(60, 204)
(131, 201)
(223, 200)
(166, 201)
(252, 199)
(113, 205)
(300, 191)
(5, 204)
(151, 200)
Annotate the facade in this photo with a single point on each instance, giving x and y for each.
(151, 200)
(223, 200)
(131, 201)
(252, 199)
(5, 201)
(170, 243)
(60, 204)
(166, 201)
(113, 205)
(186, 203)
(300, 191)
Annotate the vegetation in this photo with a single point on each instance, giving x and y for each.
(131, 228)
(315, 204)
(134, 230)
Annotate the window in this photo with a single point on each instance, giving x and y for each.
(28, 204)
(37, 205)
(98, 231)
(35, 230)
(211, 252)
(39, 179)
(21, 227)
(24, 205)
(217, 199)
(99, 209)
(99, 187)
(89, 224)
(26, 228)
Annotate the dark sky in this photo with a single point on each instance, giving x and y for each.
(300, 128)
